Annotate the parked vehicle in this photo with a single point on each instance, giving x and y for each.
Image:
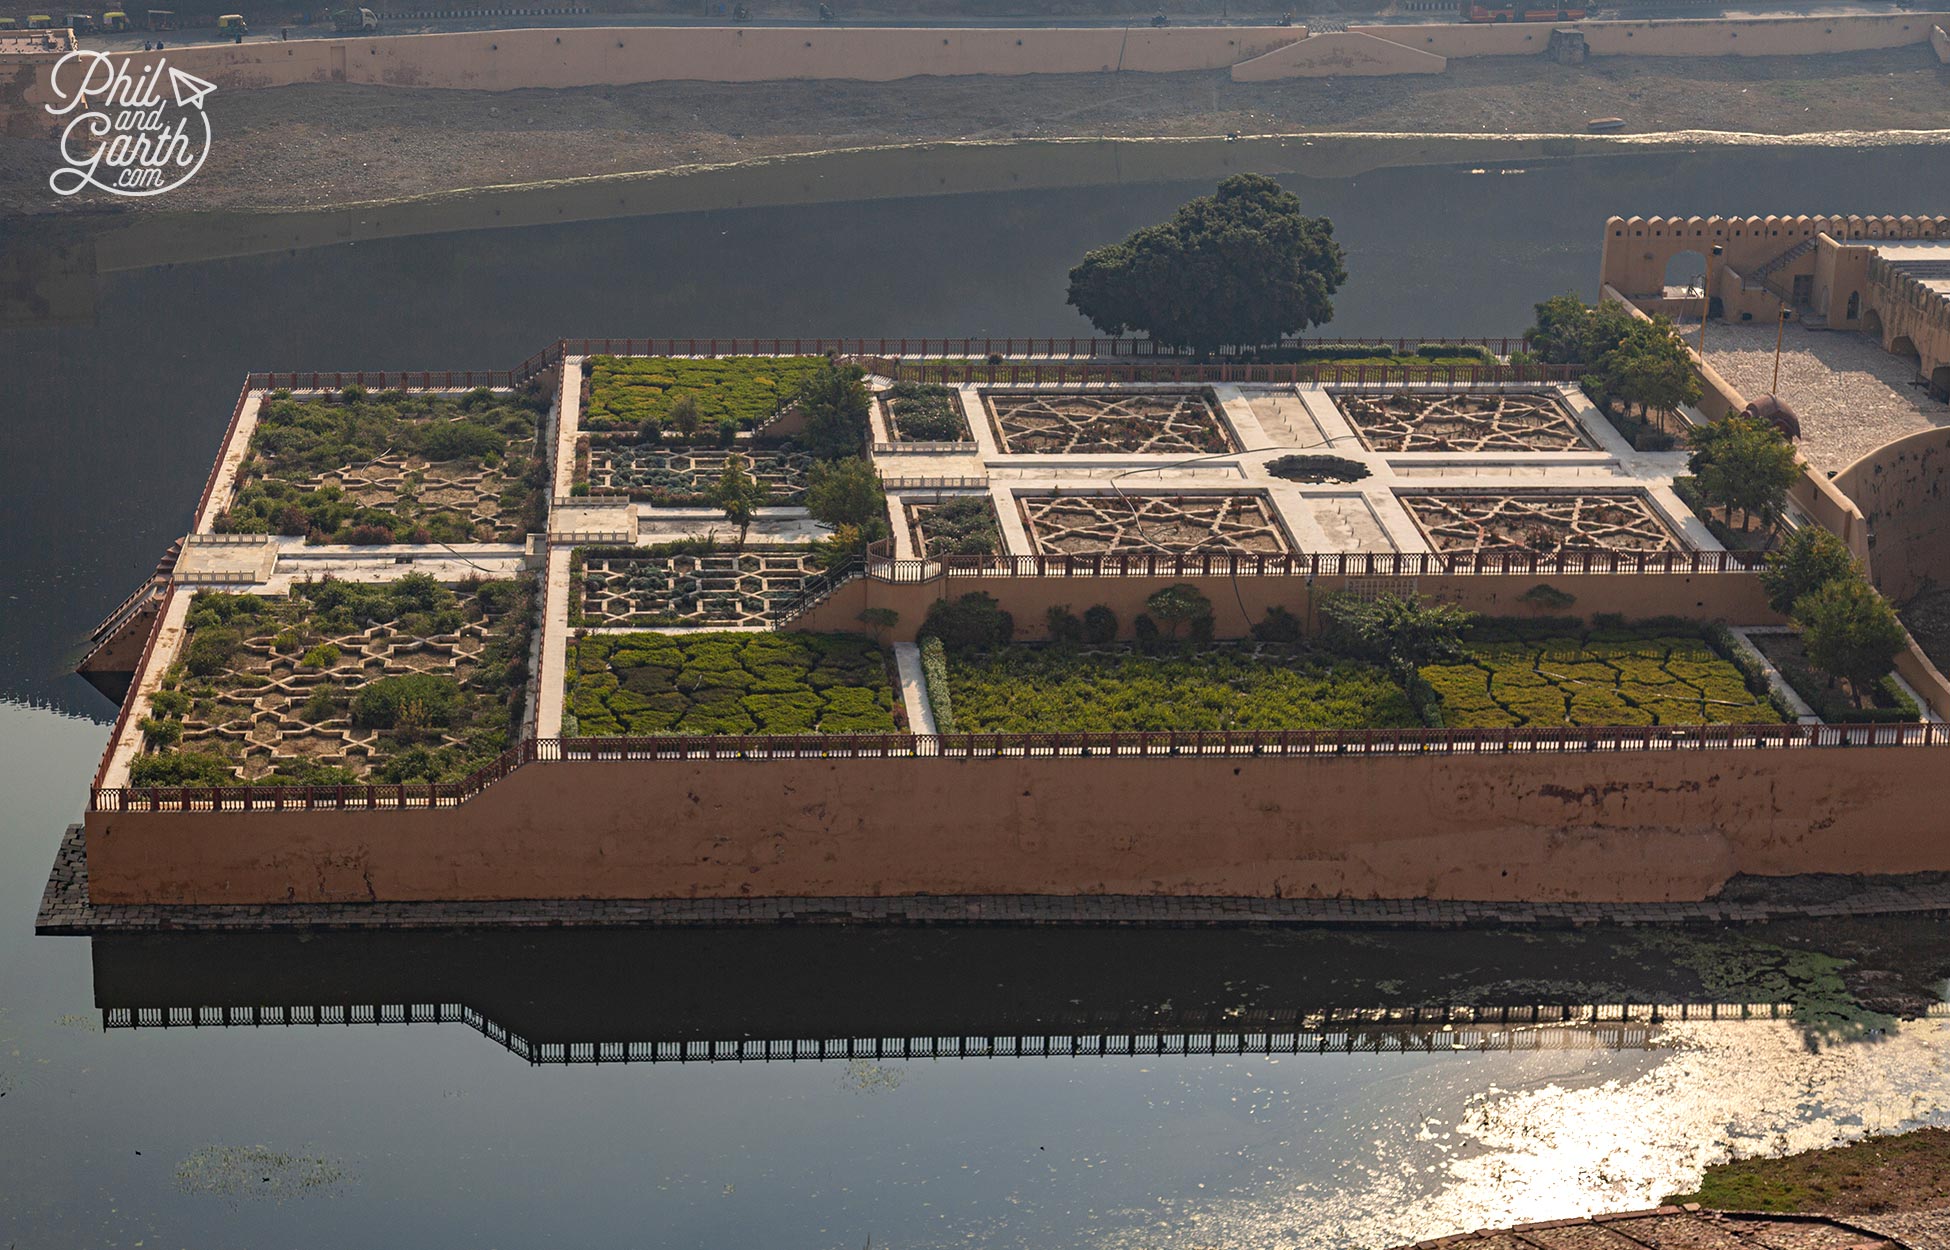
(233, 24)
(115, 20)
(1161, 20)
(9, 23)
(162, 19)
(39, 21)
(352, 20)
(79, 23)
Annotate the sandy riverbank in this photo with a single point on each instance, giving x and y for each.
(319, 146)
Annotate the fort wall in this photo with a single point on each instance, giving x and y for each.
(1346, 53)
(1618, 826)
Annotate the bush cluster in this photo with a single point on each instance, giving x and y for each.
(962, 527)
(298, 440)
(735, 391)
(729, 683)
(925, 413)
(1066, 688)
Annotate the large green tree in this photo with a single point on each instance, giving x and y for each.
(1240, 267)
(1809, 559)
(739, 494)
(1744, 463)
(1850, 632)
(835, 402)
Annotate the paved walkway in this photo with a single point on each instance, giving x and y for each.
(65, 909)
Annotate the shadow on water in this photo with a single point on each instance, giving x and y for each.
(564, 996)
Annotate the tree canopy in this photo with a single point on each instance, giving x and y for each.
(1242, 267)
(739, 494)
(1851, 632)
(1808, 559)
(835, 402)
(1744, 463)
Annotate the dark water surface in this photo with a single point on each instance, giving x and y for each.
(438, 1134)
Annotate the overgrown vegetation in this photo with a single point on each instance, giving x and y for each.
(349, 661)
(1907, 1171)
(1067, 687)
(729, 683)
(736, 391)
(393, 467)
(925, 413)
(965, 526)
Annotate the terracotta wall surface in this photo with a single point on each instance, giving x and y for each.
(1793, 36)
(1346, 53)
(1615, 826)
(507, 60)
(1903, 489)
(1240, 603)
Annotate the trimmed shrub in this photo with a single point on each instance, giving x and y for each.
(972, 622)
(1099, 625)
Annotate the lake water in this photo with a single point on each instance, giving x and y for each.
(435, 1135)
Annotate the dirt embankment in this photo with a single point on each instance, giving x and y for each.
(316, 146)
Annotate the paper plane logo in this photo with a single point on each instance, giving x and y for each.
(136, 124)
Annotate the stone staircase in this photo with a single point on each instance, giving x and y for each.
(1761, 279)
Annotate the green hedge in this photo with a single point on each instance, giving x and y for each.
(729, 683)
(1543, 674)
(1069, 689)
(736, 390)
(925, 414)
(934, 669)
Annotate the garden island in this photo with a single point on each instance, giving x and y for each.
(783, 624)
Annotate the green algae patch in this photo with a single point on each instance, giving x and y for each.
(1909, 1171)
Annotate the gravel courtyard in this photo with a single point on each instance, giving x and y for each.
(1851, 396)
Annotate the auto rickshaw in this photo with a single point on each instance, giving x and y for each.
(233, 26)
(9, 23)
(162, 19)
(79, 23)
(115, 20)
(39, 21)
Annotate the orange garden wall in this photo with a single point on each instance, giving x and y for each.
(1626, 826)
(1903, 489)
(1240, 603)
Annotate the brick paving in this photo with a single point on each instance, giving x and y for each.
(1687, 1228)
(66, 909)
(1851, 396)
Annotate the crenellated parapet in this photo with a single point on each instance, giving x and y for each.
(1638, 249)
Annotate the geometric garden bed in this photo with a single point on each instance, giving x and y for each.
(726, 587)
(341, 683)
